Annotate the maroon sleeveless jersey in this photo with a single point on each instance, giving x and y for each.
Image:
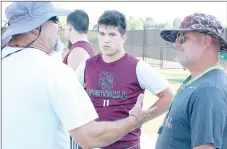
(82, 44)
(114, 89)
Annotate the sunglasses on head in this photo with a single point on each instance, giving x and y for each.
(54, 19)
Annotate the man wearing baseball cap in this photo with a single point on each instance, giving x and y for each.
(42, 100)
(197, 117)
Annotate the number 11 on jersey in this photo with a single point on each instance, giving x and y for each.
(106, 103)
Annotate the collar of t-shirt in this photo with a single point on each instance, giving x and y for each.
(189, 81)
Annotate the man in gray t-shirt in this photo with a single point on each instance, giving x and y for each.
(198, 114)
(197, 117)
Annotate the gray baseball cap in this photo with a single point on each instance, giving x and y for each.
(26, 16)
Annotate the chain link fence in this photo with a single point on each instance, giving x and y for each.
(145, 44)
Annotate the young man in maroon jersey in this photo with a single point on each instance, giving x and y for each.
(114, 79)
(76, 32)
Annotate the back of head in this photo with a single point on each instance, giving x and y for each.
(79, 20)
(113, 18)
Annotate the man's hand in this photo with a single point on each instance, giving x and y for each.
(141, 114)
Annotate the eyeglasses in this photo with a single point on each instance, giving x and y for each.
(54, 19)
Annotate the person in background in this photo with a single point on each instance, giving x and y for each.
(80, 48)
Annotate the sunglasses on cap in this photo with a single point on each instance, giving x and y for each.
(54, 19)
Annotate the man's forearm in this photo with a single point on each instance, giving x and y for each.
(112, 131)
(162, 104)
(100, 134)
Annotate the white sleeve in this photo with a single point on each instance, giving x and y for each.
(80, 73)
(149, 79)
(69, 99)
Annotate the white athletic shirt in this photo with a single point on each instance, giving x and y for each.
(41, 101)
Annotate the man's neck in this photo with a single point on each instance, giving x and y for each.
(201, 67)
(78, 37)
(23, 42)
(113, 58)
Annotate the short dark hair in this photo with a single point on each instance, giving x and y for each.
(79, 20)
(113, 18)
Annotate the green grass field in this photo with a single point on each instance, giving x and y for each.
(175, 77)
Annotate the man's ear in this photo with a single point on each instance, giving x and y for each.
(124, 37)
(207, 41)
(69, 27)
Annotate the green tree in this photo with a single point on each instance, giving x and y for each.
(135, 23)
(150, 23)
(176, 22)
(163, 26)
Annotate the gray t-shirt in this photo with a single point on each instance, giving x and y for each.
(198, 115)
